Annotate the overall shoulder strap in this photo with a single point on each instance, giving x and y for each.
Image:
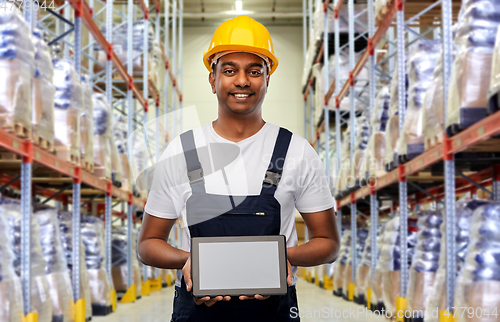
(194, 169)
(275, 169)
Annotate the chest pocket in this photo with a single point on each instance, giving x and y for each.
(211, 215)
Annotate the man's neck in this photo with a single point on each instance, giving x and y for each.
(237, 130)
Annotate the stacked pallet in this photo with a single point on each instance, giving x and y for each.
(17, 65)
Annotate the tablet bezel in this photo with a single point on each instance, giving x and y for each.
(195, 268)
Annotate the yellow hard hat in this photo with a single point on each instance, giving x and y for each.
(241, 33)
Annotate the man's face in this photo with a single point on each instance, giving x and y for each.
(240, 82)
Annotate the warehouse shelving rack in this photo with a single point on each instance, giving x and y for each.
(342, 117)
(41, 173)
(403, 181)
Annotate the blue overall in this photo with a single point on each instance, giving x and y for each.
(208, 216)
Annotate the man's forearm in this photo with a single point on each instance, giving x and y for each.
(316, 251)
(158, 253)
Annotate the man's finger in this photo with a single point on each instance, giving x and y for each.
(202, 300)
(213, 301)
(189, 283)
(186, 271)
(227, 298)
(289, 278)
(255, 297)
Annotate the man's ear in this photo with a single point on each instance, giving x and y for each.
(211, 80)
(268, 77)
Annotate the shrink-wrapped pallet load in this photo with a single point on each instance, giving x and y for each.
(317, 101)
(433, 109)
(116, 161)
(333, 162)
(390, 262)
(494, 91)
(138, 46)
(101, 56)
(66, 229)
(340, 268)
(120, 138)
(95, 258)
(141, 162)
(316, 35)
(479, 281)
(157, 69)
(56, 267)
(362, 138)
(319, 93)
(17, 66)
(374, 159)
(120, 48)
(471, 71)
(360, 27)
(119, 35)
(116, 165)
(42, 118)
(437, 298)
(363, 272)
(392, 128)
(375, 283)
(136, 266)
(87, 126)
(319, 20)
(11, 309)
(119, 269)
(345, 165)
(103, 121)
(361, 237)
(40, 298)
(421, 64)
(425, 262)
(69, 103)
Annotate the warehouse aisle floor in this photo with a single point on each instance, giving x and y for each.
(315, 304)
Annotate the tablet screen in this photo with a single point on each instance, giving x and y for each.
(239, 265)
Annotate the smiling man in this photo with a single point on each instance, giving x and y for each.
(275, 172)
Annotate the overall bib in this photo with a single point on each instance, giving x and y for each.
(210, 215)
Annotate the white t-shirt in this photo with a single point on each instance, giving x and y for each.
(303, 183)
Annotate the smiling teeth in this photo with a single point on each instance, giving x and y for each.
(241, 95)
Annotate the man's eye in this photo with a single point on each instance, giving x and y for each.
(255, 72)
(228, 71)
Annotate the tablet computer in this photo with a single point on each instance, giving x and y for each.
(237, 266)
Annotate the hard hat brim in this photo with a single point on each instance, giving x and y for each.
(249, 49)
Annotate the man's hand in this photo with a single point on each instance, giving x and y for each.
(186, 271)
(289, 280)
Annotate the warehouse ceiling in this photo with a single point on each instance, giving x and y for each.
(268, 12)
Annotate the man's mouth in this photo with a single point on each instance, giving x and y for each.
(241, 95)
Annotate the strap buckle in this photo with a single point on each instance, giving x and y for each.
(195, 175)
(272, 178)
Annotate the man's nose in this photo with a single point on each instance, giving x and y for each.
(241, 80)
